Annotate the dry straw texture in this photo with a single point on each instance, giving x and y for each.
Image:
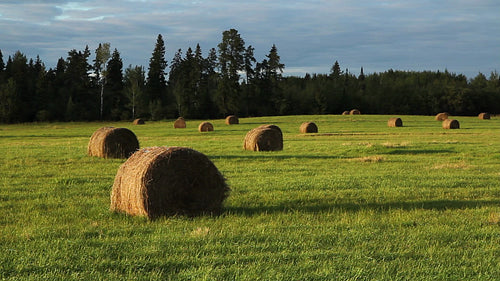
(308, 127)
(451, 124)
(441, 116)
(109, 142)
(264, 138)
(355, 112)
(484, 115)
(180, 123)
(166, 181)
(139, 121)
(395, 122)
(205, 127)
(232, 119)
(345, 113)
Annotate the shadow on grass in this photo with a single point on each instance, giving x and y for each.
(438, 205)
(418, 151)
(270, 156)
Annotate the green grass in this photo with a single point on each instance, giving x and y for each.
(357, 201)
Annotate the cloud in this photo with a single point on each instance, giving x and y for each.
(310, 34)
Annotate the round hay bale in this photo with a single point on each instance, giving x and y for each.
(166, 181)
(441, 116)
(484, 115)
(264, 138)
(355, 112)
(109, 142)
(308, 127)
(273, 127)
(205, 127)
(232, 119)
(395, 122)
(139, 121)
(451, 124)
(345, 113)
(180, 123)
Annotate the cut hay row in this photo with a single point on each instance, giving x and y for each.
(110, 142)
(164, 181)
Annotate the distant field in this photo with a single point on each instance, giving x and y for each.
(357, 201)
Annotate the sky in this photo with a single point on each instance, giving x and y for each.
(461, 36)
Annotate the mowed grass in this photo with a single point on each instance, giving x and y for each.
(357, 201)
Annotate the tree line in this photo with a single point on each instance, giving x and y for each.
(228, 80)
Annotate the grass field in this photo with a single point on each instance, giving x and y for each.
(357, 201)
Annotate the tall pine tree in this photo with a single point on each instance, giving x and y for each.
(156, 86)
(231, 62)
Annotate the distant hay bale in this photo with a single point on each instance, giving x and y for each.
(205, 127)
(264, 138)
(451, 124)
(139, 121)
(165, 181)
(355, 112)
(395, 122)
(441, 116)
(232, 119)
(345, 112)
(180, 123)
(484, 115)
(308, 127)
(109, 142)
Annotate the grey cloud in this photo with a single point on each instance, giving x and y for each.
(310, 35)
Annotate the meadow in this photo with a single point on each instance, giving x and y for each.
(356, 201)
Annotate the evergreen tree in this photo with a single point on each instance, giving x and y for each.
(249, 87)
(156, 86)
(21, 103)
(114, 87)
(2, 68)
(79, 87)
(231, 61)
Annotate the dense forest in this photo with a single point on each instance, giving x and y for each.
(228, 80)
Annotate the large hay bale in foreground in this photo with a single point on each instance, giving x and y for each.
(205, 127)
(451, 124)
(165, 181)
(354, 112)
(264, 138)
(308, 127)
(180, 123)
(139, 121)
(441, 116)
(484, 115)
(110, 142)
(395, 122)
(232, 119)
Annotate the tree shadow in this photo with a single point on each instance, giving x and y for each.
(418, 151)
(318, 207)
(270, 156)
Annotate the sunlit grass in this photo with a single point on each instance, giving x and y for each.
(356, 201)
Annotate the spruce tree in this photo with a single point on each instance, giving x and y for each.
(156, 86)
(231, 61)
(114, 87)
